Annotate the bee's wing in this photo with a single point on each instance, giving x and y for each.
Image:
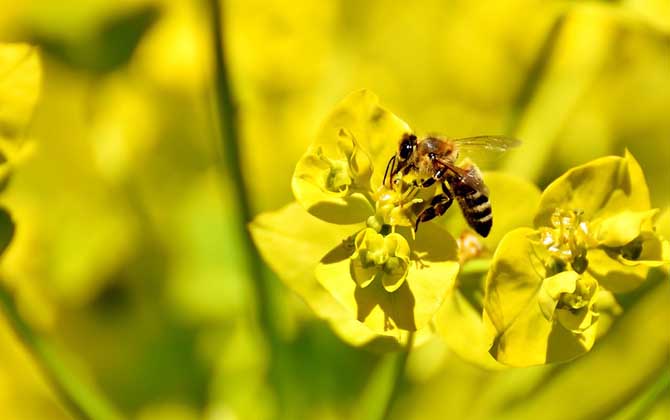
(485, 149)
(470, 176)
(473, 178)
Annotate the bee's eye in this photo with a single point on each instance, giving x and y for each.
(406, 148)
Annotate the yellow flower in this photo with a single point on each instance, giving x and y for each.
(352, 255)
(547, 287)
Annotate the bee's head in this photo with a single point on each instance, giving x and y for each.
(407, 147)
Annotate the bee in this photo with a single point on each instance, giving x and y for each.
(424, 162)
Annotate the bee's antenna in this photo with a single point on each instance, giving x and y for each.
(390, 164)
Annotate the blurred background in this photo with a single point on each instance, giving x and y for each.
(127, 250)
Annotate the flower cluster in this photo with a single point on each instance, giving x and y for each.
(547, 286)
(534, 291)
(367, 272)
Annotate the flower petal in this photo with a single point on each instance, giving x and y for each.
(619, 274)
(552, 288)
(600, 188)
(377, 130)
(292, 242)
(326, 187)
(623, 227)
(461, 326)
(431, 273)
(355, 130)
(516, 307)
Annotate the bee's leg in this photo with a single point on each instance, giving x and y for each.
(438, 206)
(389, 165)
(437, 176)
(427, 183)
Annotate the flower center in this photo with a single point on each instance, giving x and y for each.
(380, 257)
(585, 289)
(568, 238)
(339, 178)
(399, 205)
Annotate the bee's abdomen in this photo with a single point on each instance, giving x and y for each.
(477, 211)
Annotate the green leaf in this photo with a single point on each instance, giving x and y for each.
(109, 48)
(600, 188)
(514, 201)
(432, 272)
(520, 304)
(20, 76)
(6, 230)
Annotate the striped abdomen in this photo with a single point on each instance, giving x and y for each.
(475, 205)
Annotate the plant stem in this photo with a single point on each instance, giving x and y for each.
(400, 365)
(646, 403)
(382, 388)
(232, 157)
(475, 266)
(80, 398)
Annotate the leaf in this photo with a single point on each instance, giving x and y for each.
(20, 76)
(432, 272)
(111, 47)
(600, 188)
(517, 307)
(6, 230)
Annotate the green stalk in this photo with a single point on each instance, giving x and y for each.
(646, 403)
(79, 397)
(384, 384)
(232, 158)
(475, 266)
(227, 117)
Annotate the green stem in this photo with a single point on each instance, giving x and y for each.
(384, 384)
(232, 157)
(475, 266)
(646, 403)
(81, 398)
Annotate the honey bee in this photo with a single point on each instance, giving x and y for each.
(423, 162)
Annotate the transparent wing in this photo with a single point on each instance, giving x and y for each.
(485, 150)
(470, 176)
(473, 178)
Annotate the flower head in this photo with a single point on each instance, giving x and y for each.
(594, 236)
(359, 254)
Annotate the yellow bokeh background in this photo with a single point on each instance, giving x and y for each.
(127, 242)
